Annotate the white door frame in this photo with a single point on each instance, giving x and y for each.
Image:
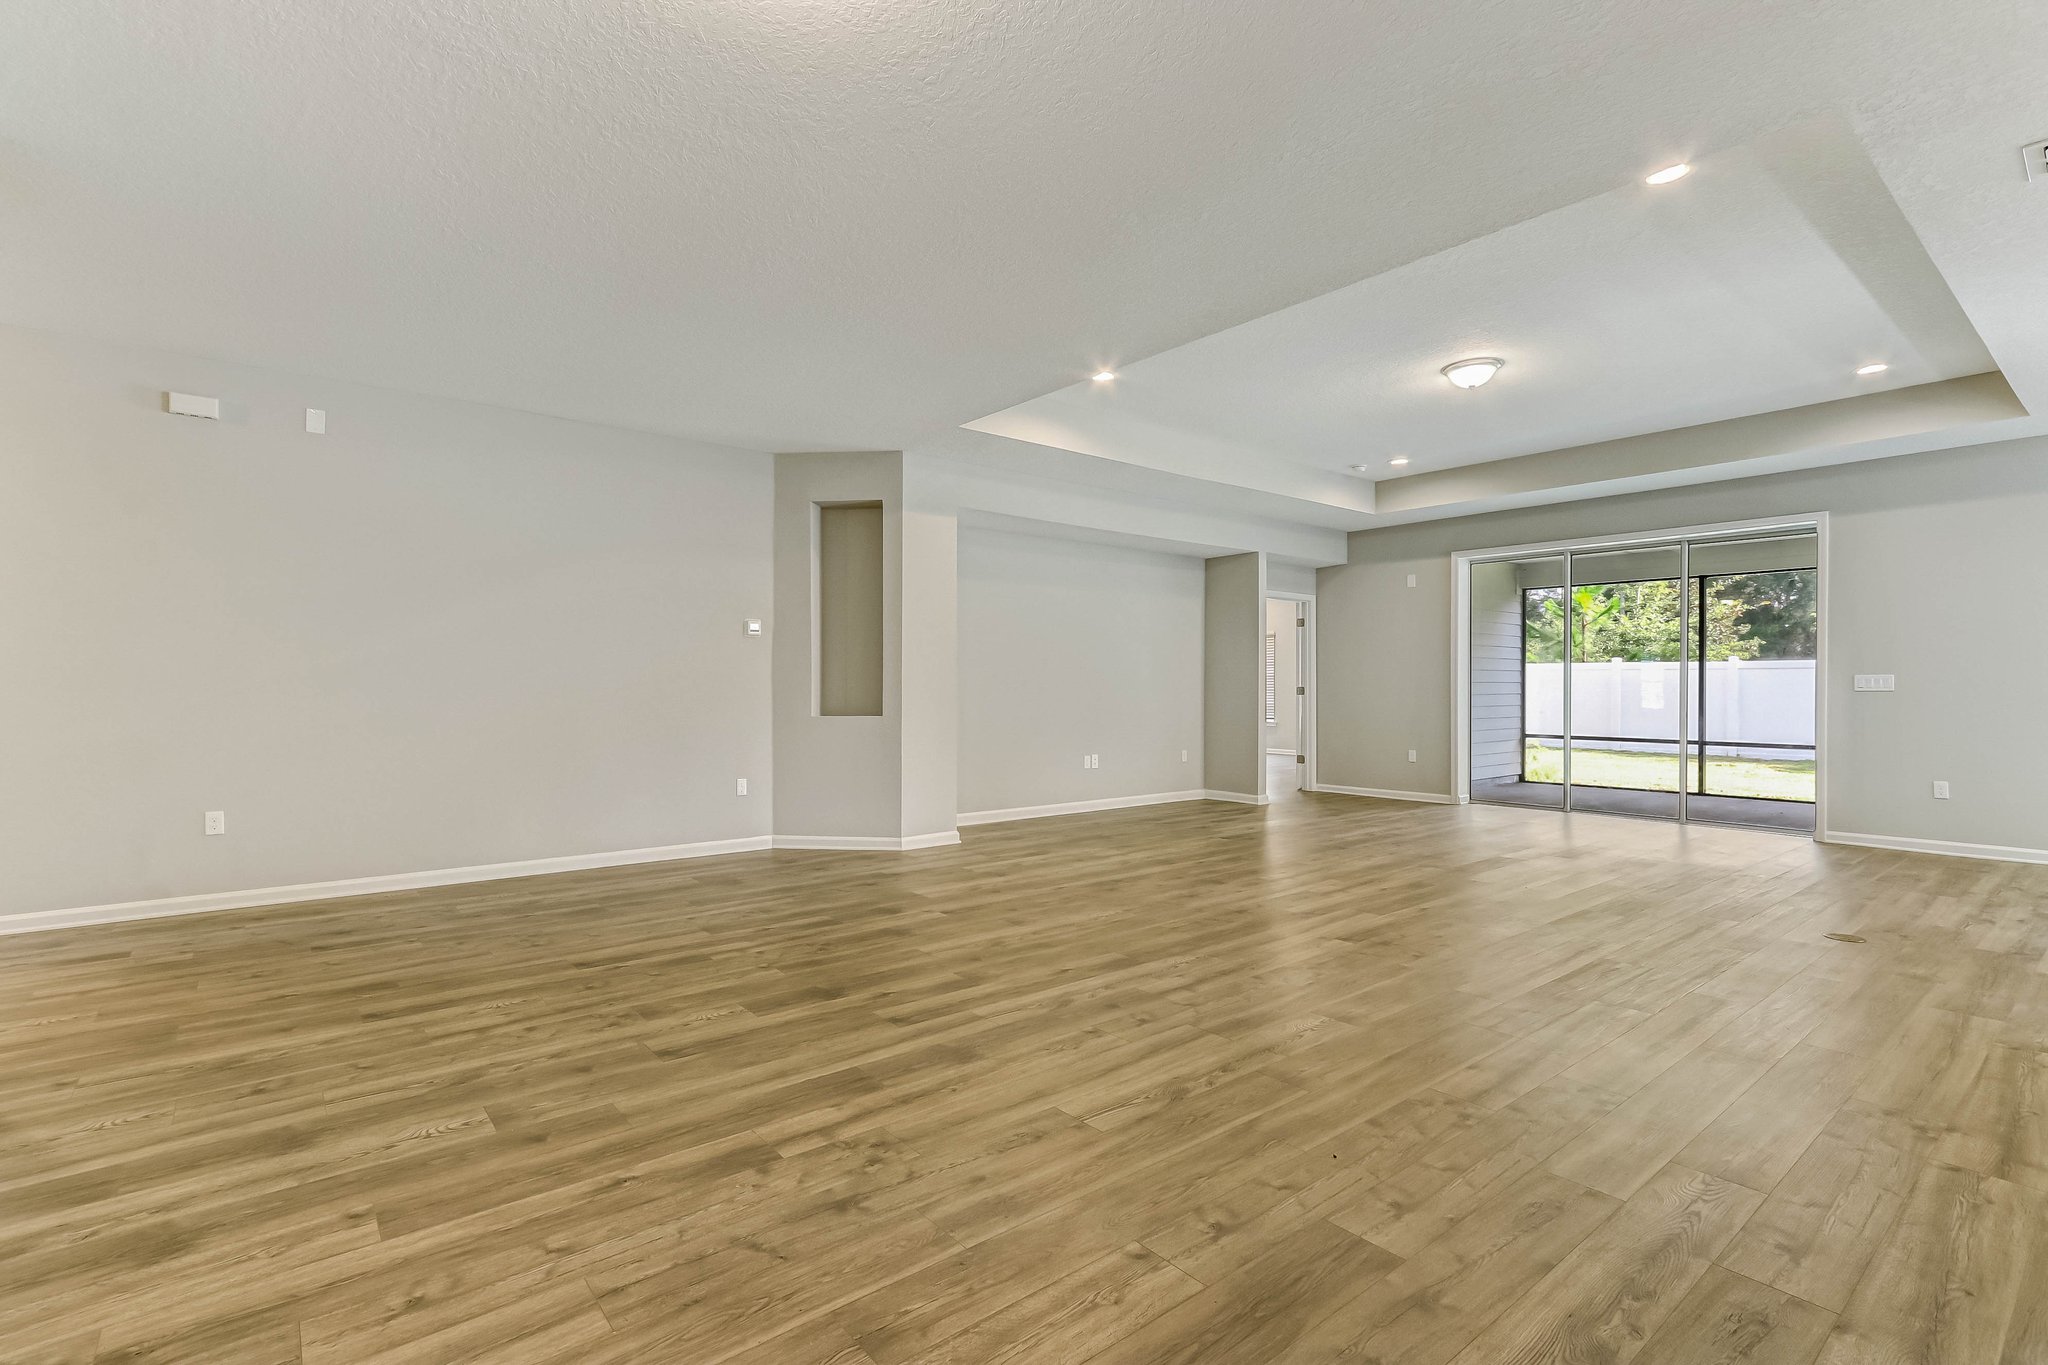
(1461, 628)
(1307, 738)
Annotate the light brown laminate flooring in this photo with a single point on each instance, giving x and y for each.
(1335, 1080)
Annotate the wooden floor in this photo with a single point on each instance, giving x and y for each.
(1338, 1080)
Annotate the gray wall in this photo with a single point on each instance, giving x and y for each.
(870, 777)
(1234, 618)
(835, 776)
(931, 662)
(1069, 648)
(1935, 563)
(442, 635)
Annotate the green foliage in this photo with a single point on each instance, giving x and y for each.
(1749, 616)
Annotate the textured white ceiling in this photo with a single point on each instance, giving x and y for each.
(814, 224)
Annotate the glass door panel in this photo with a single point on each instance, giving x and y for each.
(1517, 624)
(1754, 622)
(1625, 696)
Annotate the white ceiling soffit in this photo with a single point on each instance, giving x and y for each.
(992, 480)
(1735, 305)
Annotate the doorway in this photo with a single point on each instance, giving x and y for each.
(1675, 678)
(1285, 711)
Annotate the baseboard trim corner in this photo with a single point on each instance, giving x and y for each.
(865, 843)
(304, 892)
(1945, 848)
(1241, 798)
(999, 817)
(1384, 794)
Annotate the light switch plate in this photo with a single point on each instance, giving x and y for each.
(316, 421)
(753, 625)
(1875, 682)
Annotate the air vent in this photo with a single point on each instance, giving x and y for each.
(2036, 157)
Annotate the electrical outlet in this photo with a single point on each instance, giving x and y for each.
(743, 786)
(1411, 580)
(1941, 791)
(316, 421)
(216, 822)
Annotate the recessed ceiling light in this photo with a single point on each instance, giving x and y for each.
(1668, 174)
(1470, 374)
(1872, 369)
(1398, 459)
(1104, 376)
(1361, 469)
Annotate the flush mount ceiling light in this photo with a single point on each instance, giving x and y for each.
(1361, 469)
(1398, 460)
(1470, 374)
(1872, 369)
(1104, 376)
(1668, 174)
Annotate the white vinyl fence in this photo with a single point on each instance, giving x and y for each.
(1760, 701)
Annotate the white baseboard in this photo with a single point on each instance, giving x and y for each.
(997, 817)
(366, 886)
(1945, 848)
(1242, 798)
(1433, 798)
(866, 843)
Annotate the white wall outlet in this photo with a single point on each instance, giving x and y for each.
(192, 405)
(1941, 791)
(316, 421)
(1875, 682)
(743, 786)
(753, 625)
(216, 822)
(1411, 752)
(1091, 760)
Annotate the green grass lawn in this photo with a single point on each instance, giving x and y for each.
(1781, 779)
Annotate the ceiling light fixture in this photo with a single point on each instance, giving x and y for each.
(1398, 460)
(1668, 174)
(1361, 469)
(1872, 369)
(1470, 374)
(1104, 376)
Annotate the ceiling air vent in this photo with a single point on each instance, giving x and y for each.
(2036, 157)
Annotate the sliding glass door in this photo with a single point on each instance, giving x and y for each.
(1755, 623)
(1671, 679)
(1625, 684)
